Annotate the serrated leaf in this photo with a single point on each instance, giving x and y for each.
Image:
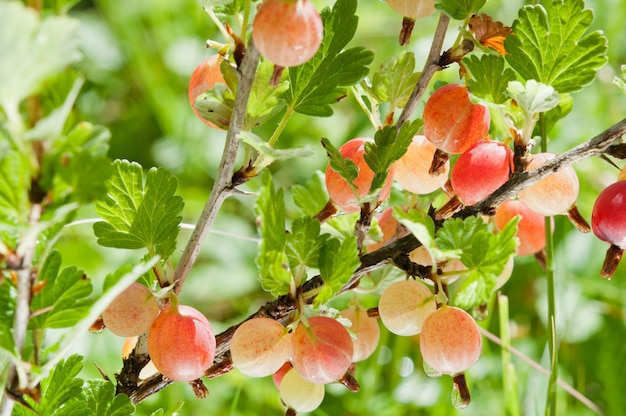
(553, 48)
(265, 100)
(271, 154)
(138, 215)
(457, 234)
(304, 242)
(460, 9)
(338, 261)
(61, 386)
(32, 50)
(65, 298)
(14, 186)
(273, 264)
(485, 255)
(346, 168)
(320, 82)
(311, 197)
(7, 300)
(396, 80)
(387, 148)
(489, 79)
(100, 398)
(534, 97)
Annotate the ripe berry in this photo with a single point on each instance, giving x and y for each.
(132, 312)
(405, 305)
(608, 223)
(413, 168)
(366, 330)
(450, 341)
(322, 351)
(480, 170)
(452, 122)
(287, 32)
(531, 228)
(181, 343)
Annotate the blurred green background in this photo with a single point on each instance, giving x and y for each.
(138, 56)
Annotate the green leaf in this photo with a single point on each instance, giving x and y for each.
(100, 398)
(482, 252)
(51, 126)
(311, 197)
(138, 215)
(346, 168)
(396, 80)
(32, 50)
(320, 82)
(61, 386)
(14, 186)
(552, 47)
(489, 79)
(457, 234)
(271, 154)
(387, 149)
(338, 261)
(460, 9)
(265, 101)
(272, 261)
(77, 166)
(216, 105)
(534, 97)
(341, 226)
(66, 296)
(8, 297)
(304, 243)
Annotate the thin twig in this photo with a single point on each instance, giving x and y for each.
(221, 188)
(430, 67)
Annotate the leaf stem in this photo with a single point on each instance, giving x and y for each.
(222, 188)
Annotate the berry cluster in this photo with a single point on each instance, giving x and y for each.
(181, 343)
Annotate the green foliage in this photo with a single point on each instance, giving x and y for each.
(552, 47)
(311, 197)
(460, 9)
(77, 166)
(337, 262)
(482, 252)
(534, 97)
(137, 215)
(32, 50)
(7, 300)
(396, 80)
(271, 260)
(216, 105)
(265, 101)
(319, 83)
(304, 243)
(14, 185)
(63, 393)
(489, 78)
(65, 298)
(389, 146)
